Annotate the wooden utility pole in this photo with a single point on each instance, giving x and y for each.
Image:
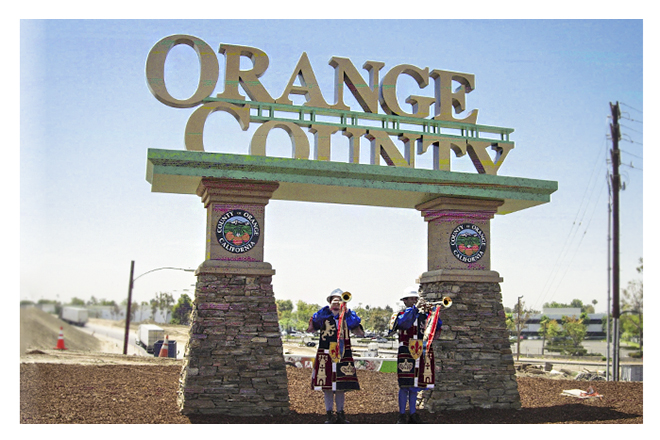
(616, 186)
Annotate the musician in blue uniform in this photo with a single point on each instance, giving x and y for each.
(334, 372)
(415, 362)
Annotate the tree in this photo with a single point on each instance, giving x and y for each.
(304, 311)
(77, 302)
(134, 308)
(633, 304)
(574, 329)
(549, 328)
(284, 310)
(163, 302)
(575, 304)
(374, 319)
(283, 305)
(182, 310)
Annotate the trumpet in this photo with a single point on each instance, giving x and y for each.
(346, 297)
(426, 306)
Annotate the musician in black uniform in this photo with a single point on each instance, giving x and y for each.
(334, 372)
(415, 363)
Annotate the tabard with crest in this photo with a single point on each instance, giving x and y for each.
(338, 374)
(415, 362)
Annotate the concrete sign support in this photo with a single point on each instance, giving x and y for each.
(473, 354)
(233, 361)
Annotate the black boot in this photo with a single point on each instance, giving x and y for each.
(402, 418)
(341, 417)
(414, 418)
(330, 417)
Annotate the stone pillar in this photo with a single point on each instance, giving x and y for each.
(234, 362)
(474, 363)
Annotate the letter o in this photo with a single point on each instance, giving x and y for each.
(194, 137)
(299, 140)
(155, 70)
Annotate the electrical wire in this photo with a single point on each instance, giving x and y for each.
(560, 265)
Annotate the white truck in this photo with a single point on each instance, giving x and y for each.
(148, 335)
(75, 315)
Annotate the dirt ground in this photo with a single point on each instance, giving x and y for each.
(84, 386)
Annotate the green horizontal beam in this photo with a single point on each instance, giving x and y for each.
(180, 171)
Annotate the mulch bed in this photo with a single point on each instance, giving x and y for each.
(123, 394)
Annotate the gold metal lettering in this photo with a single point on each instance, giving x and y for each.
(248, 79)
(448, 99)
(382, 145)
(194, 136)
(481, 159)
(441, 150)
(353, 134)
(388, 98)
(309, 87)
(345, 72)
(322, 143)
(155, 70)
(299, 141)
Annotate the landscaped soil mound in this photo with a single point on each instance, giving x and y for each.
(73, 393)
(82, 385)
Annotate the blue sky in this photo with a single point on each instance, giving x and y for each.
(87, 119)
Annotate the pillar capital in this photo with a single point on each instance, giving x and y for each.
(459, 238)
(451, 209)
(235, 217)
(254, 192)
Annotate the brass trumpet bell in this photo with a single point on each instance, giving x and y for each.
(426, 306)
(346, 296)
(446, 302)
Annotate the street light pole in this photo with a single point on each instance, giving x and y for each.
(128, 307)
(130, 297)
(519, 332)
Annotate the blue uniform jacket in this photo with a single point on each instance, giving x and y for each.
(352, 319)
(405, 320)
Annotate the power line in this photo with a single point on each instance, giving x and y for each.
(632, 120)
(633, 108)
(559, 265)
(632, 142)
(631, 129)
(631, 166)
(634, 155)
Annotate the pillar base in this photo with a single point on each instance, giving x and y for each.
(474, 362)
(234, 359)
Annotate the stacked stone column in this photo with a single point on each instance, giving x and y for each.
(474, 363)
(233, 360)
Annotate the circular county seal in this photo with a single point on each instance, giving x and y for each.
(237, 231)
(467, 242)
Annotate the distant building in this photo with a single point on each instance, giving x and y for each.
(142, 313)
(595, 326)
